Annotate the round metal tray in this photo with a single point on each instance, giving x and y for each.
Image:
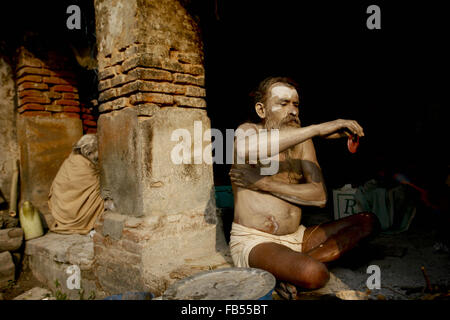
(224, 284)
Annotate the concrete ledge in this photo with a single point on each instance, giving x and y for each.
(50, 255)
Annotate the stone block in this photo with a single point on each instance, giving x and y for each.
(50, 255)
(7, 269)
(118, 159)
(36, 293)
(44, 142)
(151, 74)
(113, 225)
(182, 101)
(183, 78)
(158, 98)
(10, 239)
(137, 168)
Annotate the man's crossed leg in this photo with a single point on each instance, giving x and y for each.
(321, 244)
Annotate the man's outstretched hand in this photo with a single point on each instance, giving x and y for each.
(340, 128)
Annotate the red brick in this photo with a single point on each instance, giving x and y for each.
(32, 71)
(90, 123)
(183, 101)
(91, 130)
(54, 108)
(87, 116)
(29, 78)
(69, 95)
(34, 99)
(32, 85)
(86, 110)
(66, 115)
(31, 106)
(64, 88)
(151, 97)
(192, 91)
(29, 93)
(183, 78)
(67, 102)
(54, 95)
(71, 109)
(106, 73)
(63, 74)
(194, 69)
(36, 113)
(150, 74)
(56, 80)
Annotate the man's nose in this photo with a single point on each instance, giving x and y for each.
(293, 110)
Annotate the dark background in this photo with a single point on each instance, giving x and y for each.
(393, 81)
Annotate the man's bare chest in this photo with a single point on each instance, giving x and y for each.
(289, 171)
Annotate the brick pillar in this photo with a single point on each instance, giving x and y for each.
(151, 73)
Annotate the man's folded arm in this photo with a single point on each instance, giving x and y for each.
(313, 191)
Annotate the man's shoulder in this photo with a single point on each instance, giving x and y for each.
(249, 125)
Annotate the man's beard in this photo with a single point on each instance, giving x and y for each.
(287, 122)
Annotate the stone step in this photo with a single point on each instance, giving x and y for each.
(51, 255)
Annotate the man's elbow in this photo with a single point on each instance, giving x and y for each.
(322, 196)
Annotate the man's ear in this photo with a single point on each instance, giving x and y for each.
(260, 110)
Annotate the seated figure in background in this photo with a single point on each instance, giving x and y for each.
(74, 199)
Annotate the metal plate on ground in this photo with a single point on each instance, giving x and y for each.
(224, 284)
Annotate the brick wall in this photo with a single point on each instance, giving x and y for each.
(47, 86)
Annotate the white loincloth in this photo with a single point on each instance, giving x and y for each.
(244, 239)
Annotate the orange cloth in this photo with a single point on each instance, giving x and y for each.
(74, 199)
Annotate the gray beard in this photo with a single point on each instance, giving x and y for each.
(272, 124)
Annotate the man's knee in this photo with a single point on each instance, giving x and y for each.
(313, 275)
(368, 222)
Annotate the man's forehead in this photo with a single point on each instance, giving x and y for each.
(282, 91)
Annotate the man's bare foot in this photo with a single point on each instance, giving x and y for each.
(286, 290)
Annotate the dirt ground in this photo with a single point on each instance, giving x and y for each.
(23, 283)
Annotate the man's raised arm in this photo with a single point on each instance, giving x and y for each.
(250, 140)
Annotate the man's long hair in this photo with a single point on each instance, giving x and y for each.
(260, 94)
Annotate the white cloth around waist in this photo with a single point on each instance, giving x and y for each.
(244, 239)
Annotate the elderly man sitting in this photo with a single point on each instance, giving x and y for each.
(74, 199)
